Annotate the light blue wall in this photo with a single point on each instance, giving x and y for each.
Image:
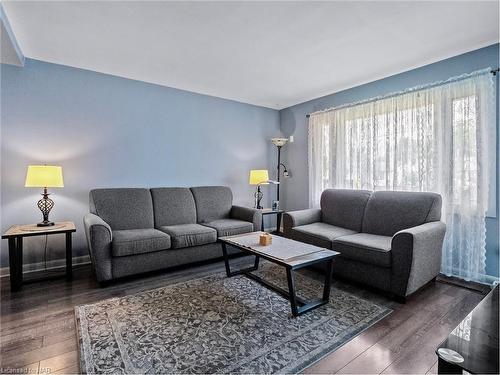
(293, 122)
(107, 131)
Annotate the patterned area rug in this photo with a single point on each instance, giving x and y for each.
(218, 325)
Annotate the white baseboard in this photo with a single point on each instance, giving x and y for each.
(51, 264)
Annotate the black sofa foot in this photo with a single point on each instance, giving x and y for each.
(399, 299)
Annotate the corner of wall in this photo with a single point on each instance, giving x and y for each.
(10, 51)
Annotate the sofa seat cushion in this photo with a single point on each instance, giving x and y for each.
(138, 241)
(319, 234)
(186, 235)
(366, 248)
(230, 227)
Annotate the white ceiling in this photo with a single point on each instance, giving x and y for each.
(274, 54)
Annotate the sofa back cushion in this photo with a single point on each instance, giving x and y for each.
(123, 208)
(212, 202)
(344, 208)
(173, 206)
(388, 212)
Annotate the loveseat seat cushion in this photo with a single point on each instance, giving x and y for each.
(319, 234)
(138, 241)
(344, 207)
(388, 212)
(123, 208)
(212, 202)
(173, 206)
(366, 248)
(186, 235)
(230, 227)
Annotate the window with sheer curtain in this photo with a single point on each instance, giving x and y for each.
(424, 139)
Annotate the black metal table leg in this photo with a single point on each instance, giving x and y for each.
(278, 223)
(69, 257)
(256, 263)
(290, 276)
(230, 273)
(299, 306)
(226, 260)
(328, 280)
(16, 263)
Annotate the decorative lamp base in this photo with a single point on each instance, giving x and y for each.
(45, 224)
(258, 197)
(45, 205)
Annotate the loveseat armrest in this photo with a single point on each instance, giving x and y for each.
(416, 257)
(252, 215)
(99, 239)
(302, 217)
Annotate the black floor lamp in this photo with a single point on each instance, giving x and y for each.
(279, 143)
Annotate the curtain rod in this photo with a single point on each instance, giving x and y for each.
(492, 71)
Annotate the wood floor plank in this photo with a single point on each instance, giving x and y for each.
(372, 361)
(22, 346)
(16, 336)
(31, 368)
(74, 369)
(59, 362)
(40, 354)
(345, 354)
(434, 369)
(50, 339)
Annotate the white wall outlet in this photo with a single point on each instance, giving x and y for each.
(290, 139)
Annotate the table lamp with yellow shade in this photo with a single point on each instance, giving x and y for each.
(259, 177)
(44, 176)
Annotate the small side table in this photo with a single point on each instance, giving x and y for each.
(15, 235)
(270, 211)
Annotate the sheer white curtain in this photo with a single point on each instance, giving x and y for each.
(425, 139)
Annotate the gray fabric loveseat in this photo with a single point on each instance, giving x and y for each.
(133, 230)
(387, 239)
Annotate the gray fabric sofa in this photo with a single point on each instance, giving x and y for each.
(391, 240)
(133, 230)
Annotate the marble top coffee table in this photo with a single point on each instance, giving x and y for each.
(287, 253)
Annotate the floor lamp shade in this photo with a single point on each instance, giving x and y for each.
(44, 176)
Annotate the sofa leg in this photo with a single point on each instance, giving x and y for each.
(399, 299)
(104, 284)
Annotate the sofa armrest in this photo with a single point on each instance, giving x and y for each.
(252, 215)
(99, 239)
(416, 257)
(302, 217)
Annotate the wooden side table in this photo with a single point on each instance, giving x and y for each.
(15, 235)
(270, 211)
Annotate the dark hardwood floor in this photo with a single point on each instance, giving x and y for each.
(38, 332)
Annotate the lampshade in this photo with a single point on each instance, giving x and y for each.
(259, 176)
(44, 176)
